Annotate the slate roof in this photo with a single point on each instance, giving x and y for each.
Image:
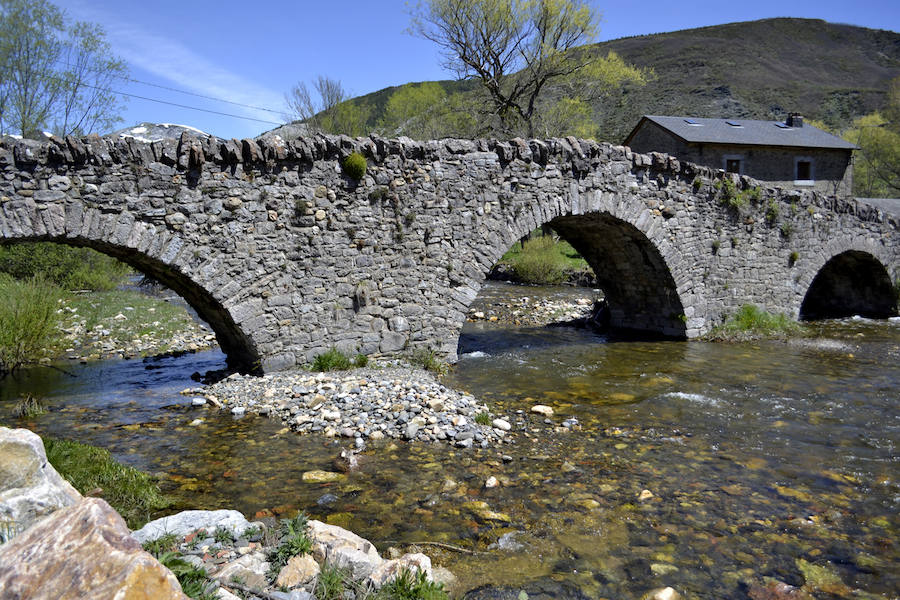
(749, 132)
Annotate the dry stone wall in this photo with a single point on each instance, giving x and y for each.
(285, 255)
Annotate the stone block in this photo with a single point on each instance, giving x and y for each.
(83, 552)
(30, 488)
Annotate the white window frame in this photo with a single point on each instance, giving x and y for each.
(739, 157)
(812, 170)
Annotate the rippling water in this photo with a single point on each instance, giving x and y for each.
(706, 467)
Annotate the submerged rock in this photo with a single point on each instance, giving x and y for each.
(84, 552)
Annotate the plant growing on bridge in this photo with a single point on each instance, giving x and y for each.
(772, 212)
(355, 166)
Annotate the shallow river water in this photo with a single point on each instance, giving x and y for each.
(704, 467)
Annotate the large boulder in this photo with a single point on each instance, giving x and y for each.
(188, 521)
(83, 552)
(344, 549)
(30, 488)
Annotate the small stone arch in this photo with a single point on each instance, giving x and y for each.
(157, 254)
(850, 282)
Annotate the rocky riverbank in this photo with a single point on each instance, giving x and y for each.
(371, 403)
(535, 306)
(126, 324)
(59, 544)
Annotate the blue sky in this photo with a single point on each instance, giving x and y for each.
(252, 53)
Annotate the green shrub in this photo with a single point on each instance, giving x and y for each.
(331, 360)
(295, 540)
(69, 268)
(355, 166)
(793, 258)
(483, 418)
(135, 495)
(411, 586)
(28, 320)
(360, 361)
(540, 261)
(430, 361)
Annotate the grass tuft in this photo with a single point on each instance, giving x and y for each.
(753, 322)
(330, 583)
(409, 585)
(28, 407)
(295, 540)
(134, 495)
(331, 360)
(429, 360)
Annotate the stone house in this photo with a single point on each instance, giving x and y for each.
(790, 154)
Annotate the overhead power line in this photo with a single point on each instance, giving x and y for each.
(186, 106)
(172, 89)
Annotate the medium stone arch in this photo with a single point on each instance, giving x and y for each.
(850, 282)
(617, 236)
(151, 252)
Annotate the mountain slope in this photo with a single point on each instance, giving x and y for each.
(758, 69)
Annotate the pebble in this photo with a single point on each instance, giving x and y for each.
(198, 402)
(542, 409)
(394, 401)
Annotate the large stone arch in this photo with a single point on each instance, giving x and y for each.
(155, 252)
(848, 277)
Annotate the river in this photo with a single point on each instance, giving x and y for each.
(704, 467)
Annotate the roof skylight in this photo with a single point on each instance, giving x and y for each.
(734, 123)
(693, 122)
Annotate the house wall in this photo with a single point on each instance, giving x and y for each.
(832, 169)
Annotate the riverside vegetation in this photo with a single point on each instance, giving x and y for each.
(63, 302)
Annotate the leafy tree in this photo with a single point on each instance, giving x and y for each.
(876, 170)
(425, 111)
(520, 48)
(334, 112)
(54, 74)
(568, 116)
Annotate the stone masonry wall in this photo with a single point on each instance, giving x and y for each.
(285, 256)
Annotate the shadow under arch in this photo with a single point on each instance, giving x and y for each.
(850, 283)
(240, 351)
(640, 291)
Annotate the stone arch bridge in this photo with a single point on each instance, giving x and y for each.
(284, 255)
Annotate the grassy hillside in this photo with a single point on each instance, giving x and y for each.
(759, 69)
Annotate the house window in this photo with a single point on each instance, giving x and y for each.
(803, 170)
(733, 163)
